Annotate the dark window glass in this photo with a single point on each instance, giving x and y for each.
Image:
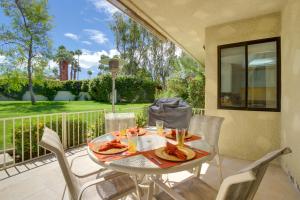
(262, 75)
(233, 77)
(249, 75)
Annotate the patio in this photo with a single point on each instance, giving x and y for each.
(43, 179)
(260, 110)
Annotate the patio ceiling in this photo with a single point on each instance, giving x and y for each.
(184, 21)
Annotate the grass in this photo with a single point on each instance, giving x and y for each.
(24, 108)
(10, 109)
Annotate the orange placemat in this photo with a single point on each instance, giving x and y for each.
(165, 163)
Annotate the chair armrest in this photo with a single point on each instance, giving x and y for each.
(234, 179)
(166, 189)
(76, 157)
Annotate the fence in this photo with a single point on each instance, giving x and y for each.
(20, 136)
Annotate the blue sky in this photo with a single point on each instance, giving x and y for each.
(81, 24)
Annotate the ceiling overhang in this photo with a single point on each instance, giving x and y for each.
(184, 21)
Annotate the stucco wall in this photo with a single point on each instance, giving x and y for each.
(245, 134)
(290, 122)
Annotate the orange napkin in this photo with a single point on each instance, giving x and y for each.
(114, 144)
(172, 149)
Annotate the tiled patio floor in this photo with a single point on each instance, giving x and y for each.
(43, 179)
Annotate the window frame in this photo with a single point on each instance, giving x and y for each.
(278, 68)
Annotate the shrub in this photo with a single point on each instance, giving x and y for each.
(129, 89)
(100, 88)
(38, 128)
(196, 93)
(48, 88)
(190, 90)
(13, 86)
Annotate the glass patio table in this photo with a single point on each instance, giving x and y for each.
(140, 165)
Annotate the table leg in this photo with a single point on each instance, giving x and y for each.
(150, 191)
(138, 191)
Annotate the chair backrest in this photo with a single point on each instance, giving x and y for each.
(207, 126)
(244, 185)
(113, 120)
(50, 140)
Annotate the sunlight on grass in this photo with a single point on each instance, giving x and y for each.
(24, 108)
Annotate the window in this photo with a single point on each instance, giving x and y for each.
(249, 75)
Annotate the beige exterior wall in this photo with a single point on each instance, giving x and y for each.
(245, 134)
(290, 124)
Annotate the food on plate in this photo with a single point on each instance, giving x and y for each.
(173, 150)
(114, 144)
(139, 131)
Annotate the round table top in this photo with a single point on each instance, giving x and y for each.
(139, 164)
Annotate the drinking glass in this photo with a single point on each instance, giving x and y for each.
(122, 128)
(132, 141)
(180, 136)
(160, 127)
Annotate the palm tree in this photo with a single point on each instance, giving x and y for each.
(78, 52)
(62, 55)
(72, 65)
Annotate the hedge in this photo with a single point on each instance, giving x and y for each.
(129, 89)
(37, 129)
(47, 88)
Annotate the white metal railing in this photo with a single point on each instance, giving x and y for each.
(19, 136)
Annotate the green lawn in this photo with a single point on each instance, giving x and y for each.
(24, 108)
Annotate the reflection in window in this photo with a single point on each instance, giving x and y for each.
(262, 75)
(233, 77)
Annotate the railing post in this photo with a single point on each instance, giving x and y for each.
(64, 130)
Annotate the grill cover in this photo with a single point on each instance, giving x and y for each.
(175, 112)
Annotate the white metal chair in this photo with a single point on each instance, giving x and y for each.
(112, 185)
(208, 127)
(114, 120)
(241, 186)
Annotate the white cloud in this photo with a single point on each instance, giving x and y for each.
(2, 59)
(52, 64)
(104, 6)
(91, 59)
(72, 36)
(86, 42)
(96, 36)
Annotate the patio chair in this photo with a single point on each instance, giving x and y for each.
(241, 186)
(112, 185)
(114, 120)
(208, 127)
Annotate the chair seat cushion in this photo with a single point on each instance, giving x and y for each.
(191, 189)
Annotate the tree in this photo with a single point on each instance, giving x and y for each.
(26, 39)
(161, 60)
(186, 67)
(72, 61)
(78, 52)
(90, 73)
(131, 41)
(62, 55)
